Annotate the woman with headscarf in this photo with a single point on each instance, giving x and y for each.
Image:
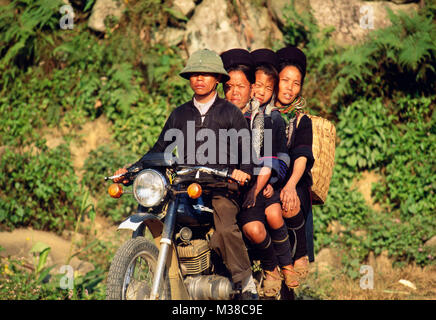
(239, 65)
(295, 195)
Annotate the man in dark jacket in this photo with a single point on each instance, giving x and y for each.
(209, 116)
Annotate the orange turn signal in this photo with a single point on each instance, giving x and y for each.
(115, 190)
(194, 190)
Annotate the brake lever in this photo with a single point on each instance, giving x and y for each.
(127, 174)
(229, 176)
(114, 177)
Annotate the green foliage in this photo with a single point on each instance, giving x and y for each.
(350, 212)
(163, 66)
(409, 185)
(139, 130)
(41, 189)
(370, 139)
(17, 283)
(103, 162)
(403, 238)
(18, 120)
(366, 132)
(25, 27)
(398, 58)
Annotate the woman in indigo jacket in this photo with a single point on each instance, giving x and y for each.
(261, 215)
(295, 195)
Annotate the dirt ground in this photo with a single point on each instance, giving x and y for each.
(325, 281)
(378, 280)
(18, 244)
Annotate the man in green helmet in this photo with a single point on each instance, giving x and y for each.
(208, 113)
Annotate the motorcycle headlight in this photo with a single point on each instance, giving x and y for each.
(149, 188)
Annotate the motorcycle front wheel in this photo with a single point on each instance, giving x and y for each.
(132, 271)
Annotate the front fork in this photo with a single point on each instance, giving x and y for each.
(165, 245)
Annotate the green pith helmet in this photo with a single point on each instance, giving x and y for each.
(207, 61)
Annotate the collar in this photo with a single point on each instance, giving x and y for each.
(204, 107)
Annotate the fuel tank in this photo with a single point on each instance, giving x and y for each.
(194, 212)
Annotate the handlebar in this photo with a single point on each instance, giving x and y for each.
(220, 173)
(131, 171)
(185, 171)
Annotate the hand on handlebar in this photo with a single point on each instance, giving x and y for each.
(240, 176)
(121, 179)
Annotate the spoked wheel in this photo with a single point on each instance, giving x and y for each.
(132, 271)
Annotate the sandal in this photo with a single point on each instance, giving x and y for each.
(291, 277)
(271, 287)
(301, 267)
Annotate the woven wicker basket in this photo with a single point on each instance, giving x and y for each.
(323, 148)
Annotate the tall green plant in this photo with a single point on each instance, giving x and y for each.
(25, 27)
(398, 58)
(38, 189)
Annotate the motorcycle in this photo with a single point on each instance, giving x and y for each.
(179, 264)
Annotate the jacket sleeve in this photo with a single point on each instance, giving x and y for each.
(244, 143)
(302, 146)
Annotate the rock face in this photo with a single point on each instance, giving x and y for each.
(276, 7)
(211, 27)
(431, 242)
(103, 9)
(223, 24)
(354, 19)
(185, 6)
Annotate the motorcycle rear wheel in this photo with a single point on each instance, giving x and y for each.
(132, 270)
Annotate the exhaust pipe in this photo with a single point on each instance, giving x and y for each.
(211, 287)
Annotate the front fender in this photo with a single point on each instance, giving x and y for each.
(136, 223)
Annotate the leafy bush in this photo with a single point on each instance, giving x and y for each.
(25, 27)
(410, 175)
(102, 162)
(372, 139)
(398, 58)
(18, 121)
(38, 189)
(366, 132)
(403, 239)
(17, 283)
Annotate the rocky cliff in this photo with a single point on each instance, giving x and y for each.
(224, 24)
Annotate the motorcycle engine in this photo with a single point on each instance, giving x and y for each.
(194, 256)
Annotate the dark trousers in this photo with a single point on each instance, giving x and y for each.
(227, 239)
